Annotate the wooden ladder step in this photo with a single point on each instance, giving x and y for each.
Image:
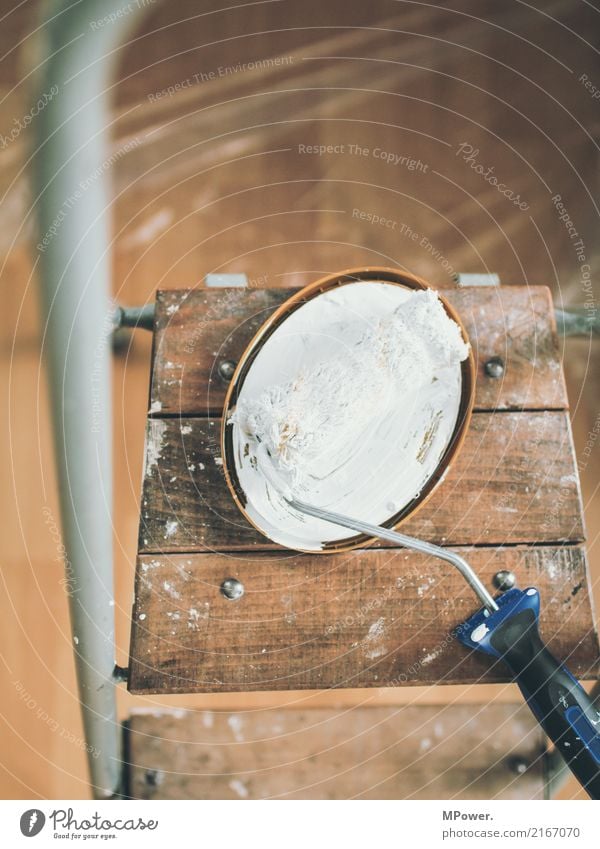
(501, 488)
(364, 619)
(464, 751)
(197, 329)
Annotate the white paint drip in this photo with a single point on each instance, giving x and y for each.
(170, 590)
(239, 787)
(171, 529)
(567, 479)
(235, 723)
(373, 640)
(430, 657)
(422, 589)
(193, 619)
(377, 630)
(150, 229)
(154, 444)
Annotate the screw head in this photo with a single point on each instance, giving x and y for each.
(232, 589)
(153, 777)
(518, 765)
(494, 367)
(504, 580)
(226, 369)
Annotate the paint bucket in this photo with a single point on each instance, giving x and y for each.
(402, 459)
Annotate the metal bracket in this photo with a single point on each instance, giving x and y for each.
(226, 281)
(142, 317)
(120, 674)
(462, 279)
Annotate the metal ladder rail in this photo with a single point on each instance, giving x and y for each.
(78, 46)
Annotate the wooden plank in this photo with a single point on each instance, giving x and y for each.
(417, 752)
(197, 329)
(514, 481)
(364, 619)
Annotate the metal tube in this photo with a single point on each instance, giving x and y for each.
(70, 168)
(577, 321)
(407, 542)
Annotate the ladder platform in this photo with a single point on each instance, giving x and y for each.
(415, 752)
(376, 617)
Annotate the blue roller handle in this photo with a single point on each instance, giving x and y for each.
(557, 700)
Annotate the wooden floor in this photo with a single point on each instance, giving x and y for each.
(216, 180)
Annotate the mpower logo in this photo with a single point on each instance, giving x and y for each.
(32, 822)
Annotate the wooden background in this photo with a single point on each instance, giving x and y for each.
(215, 182)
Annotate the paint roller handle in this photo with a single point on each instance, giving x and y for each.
(557, 700)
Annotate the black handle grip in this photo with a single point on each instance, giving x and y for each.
(560, 704)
